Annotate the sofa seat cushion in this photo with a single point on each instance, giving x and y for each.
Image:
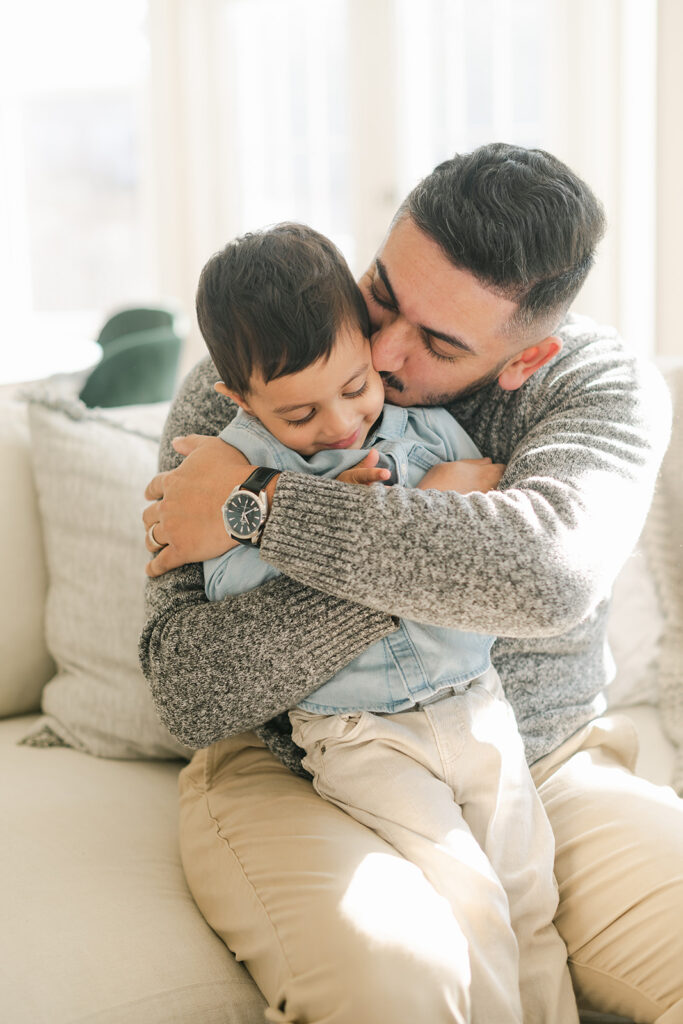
(98, 924)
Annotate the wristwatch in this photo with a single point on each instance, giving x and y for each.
(246, 508)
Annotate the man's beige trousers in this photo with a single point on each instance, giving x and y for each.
(336, 927)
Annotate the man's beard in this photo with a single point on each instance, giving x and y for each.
(447, 397)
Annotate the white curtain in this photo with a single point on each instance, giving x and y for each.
(411, 83)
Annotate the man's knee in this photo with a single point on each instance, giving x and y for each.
(618, 863)
(331, 922)
(633, 966)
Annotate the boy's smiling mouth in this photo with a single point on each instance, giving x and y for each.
(346, 442)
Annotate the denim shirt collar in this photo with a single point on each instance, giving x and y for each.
(391, 427)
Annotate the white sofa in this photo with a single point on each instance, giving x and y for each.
(98, 926)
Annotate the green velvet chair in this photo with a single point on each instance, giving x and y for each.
(135, 369)
(140, 351)
(139, 318)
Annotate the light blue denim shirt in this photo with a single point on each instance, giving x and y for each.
(417, 660)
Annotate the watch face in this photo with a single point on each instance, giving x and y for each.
(243, 514)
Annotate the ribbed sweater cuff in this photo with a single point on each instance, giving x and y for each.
(321, 548)
(338, 631)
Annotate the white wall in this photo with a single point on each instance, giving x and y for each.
(608, 74)
(610, 113)
(669, 262)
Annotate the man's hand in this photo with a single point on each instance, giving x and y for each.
(463, 476)
(187, 502)
(366, 471)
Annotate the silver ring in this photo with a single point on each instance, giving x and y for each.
(152, 539)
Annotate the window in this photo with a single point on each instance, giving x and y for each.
(283, 77)
(137, 136)
(76, 238)
(467, 73)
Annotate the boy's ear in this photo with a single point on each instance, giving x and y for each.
(227, 393)
(525, 363)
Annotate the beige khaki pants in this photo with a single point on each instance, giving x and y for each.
(335, 926)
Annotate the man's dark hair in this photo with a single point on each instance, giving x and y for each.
(273, 302)
(518, 219)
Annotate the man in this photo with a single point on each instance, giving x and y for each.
(465, 297)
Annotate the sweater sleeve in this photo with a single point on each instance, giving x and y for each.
(216, 669)
(583, 441)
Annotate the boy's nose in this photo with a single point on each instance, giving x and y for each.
(339, 425)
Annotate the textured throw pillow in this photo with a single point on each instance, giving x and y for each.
(663, 542)
(90, 469)
(25, 664)
(634, 631)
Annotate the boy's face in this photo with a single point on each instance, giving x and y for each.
(330, 404)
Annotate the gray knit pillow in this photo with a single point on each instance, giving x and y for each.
(90, 469)
(663, 542)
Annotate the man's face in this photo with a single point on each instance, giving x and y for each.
(437, 332)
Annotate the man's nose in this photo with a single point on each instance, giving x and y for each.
(389, 347)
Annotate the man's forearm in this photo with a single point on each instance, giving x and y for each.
(466, 577)
(216, 669)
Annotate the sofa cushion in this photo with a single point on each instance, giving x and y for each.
(25, 663)
(98, 925)
(90, 469)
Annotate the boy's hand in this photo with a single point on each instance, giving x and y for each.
(463, 476)
(366, 472)
(186, 509)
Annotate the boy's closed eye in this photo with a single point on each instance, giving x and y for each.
(349, 394)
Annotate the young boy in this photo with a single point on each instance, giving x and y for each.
(413, 737)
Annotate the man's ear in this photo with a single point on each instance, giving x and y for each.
(227, 393)
(525, 363)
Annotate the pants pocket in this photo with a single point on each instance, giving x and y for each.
(319, 735)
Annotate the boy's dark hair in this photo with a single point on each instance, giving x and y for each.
(518, 219)
(273, 301)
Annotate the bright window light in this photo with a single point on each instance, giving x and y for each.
(76, 240)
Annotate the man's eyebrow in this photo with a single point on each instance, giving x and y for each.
(450, 339)
(304, 405)
(382, 271)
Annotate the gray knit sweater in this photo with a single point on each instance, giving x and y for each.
(532, 562)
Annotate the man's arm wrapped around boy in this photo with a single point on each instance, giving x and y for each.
(583, 440)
